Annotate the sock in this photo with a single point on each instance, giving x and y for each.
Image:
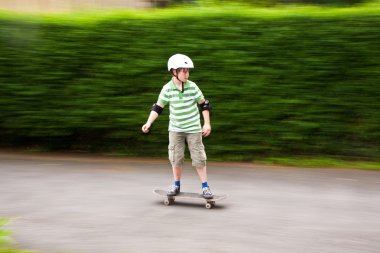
(204, 184)
(177, 183)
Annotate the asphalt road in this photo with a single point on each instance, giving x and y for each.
(82, 204)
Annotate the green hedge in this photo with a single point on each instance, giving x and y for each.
(282, 82)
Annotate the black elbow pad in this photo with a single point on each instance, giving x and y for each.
(205, 106)
(157, 108)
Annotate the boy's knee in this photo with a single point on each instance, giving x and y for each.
(198, 156)
(176, 157)
(199, 164)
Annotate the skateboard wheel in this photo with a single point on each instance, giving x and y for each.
(209, 205)
(168, 202)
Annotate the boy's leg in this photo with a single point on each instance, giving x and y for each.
(176, 157)
(197, 151)
(202, 173)
(177, 173)
(198, 157)
(177, 153)
(198, 154)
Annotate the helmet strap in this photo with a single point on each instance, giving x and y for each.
(183, 83)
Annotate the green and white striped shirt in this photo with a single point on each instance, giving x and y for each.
(184, 114)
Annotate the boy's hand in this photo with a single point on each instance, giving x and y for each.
(206, 131)
(145, 128)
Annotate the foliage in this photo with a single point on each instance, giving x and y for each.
(293, 81)
(320, 162)
(270, 3)
(4, 235)
(6, 241)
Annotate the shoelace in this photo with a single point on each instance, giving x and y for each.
(207, 191)
(173, 188)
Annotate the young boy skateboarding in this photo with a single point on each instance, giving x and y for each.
(183, 98)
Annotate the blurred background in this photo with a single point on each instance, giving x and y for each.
(69, 5)
(286, 78)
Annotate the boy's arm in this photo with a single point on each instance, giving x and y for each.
(152, 117)
(206, 130)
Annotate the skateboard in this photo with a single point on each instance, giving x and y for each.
(169, 200)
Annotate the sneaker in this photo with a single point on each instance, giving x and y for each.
(206, 193)
(173, 190)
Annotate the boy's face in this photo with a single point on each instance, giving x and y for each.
(183, 74)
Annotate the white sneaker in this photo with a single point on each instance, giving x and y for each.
(206, 193)
(173, 190)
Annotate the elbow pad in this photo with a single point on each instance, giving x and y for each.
(205, 106)
(157, 108)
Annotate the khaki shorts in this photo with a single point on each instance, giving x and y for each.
(177, 144)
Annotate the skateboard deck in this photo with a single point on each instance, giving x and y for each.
(169, 200)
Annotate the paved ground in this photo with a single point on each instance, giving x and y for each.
(94, 204)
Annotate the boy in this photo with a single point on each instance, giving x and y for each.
(183, 98)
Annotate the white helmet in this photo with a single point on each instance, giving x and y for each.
(180, 61)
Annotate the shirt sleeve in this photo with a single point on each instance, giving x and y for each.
(198, 95)
(163, 98)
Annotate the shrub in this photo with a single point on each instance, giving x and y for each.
(281, 83)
